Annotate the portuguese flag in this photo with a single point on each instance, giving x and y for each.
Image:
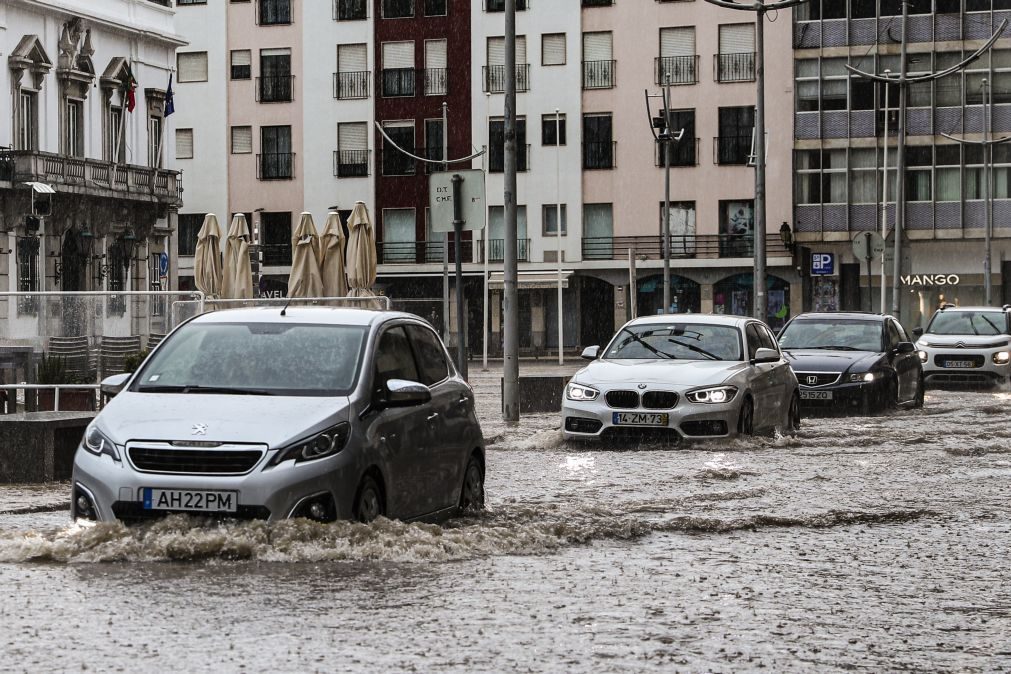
(131, 89)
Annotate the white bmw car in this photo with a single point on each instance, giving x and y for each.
(688, 376)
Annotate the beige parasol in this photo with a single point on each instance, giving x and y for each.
(207, 262)
(361, 253)
(335, 283)
(237, 277)
(305, 280)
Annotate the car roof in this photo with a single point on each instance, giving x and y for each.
(846, 315)
(712, 319)
(977, 308)
(315, 315)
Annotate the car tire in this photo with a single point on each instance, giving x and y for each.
(472, 492)
(369, 502)
(891, 396)
(746, 419)
(918, 400)
(793, 416)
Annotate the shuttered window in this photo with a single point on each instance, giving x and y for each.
(597, 46)
(521, 50)
(553, 49)
(242, 139)
(352, 58)
(352, 136)
(737, 38)
(192, 66)
(397, 55)
(496, 50)
(677, 41)
(242, 62)
(184, 143)
(435, 54)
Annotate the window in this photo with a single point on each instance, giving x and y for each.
(496, 232)
(436, 7)
(352, 71)
(114, 145)
(394, 360)
(436, 75)
(549, 216)
(274, 12)
(191, 66)
(350, 10)
(919, 159)
(242, 62)
(26, 134)
(398, 69)
(274, 85)
(737, 228)
(499, 5)
(496, 145)
(276, 160)
(433, 142)
(275, 231)
(242, 139)
(598, 143)
(494, 72)
(73, 128)
(821, 176)
(553, 49)
(181, 3)
(598, 60)
(677, 59)
(682, 225)
(430, 354)
(736, 60)
(398, 9)
(154, 141)
(683, 152)
(552, 131)
(184, 143)
(736, 129)
(189, 227)
(863, 176)
(398, 235)
(598, 221)
(352, 150)
(947, 174)
(27, 249)
(396, 163)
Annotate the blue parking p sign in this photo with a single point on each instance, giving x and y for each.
(163, 264)
(822, 264)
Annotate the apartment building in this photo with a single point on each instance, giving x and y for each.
(87, 188)
(840, 151)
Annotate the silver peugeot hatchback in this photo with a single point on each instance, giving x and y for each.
(320, 413)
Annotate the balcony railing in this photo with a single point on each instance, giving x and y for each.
(436, 81)
(682, 69)
(351, 85)
(597, 3)
(599, 155)
(732, 150)
(350, 10)
(496, 159)
(276, 254)
(421, 252)
(598, 74)
(275, 89)
(398, 82)
(499, 5)
(275, 166)
(351, 163)
(495, 80)
(692, 246)
(682, 153)
(734, 67)
(496, 250)
(86, 176)
(396, 163)
(274, 12)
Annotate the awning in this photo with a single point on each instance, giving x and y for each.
(41, 188)
(531, 280)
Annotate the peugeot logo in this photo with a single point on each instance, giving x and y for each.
(812, 380)
(642, 386)
(199, 429)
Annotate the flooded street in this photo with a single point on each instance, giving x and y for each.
(869, 544)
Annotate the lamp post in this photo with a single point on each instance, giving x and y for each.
(884, 193)
(558, 232)
(665, 140)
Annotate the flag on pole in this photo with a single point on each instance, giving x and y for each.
(170, 104)
(131, 90)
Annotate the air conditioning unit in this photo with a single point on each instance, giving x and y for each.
(33, 223)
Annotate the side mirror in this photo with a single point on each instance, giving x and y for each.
(765, 356)
(110, 386)
(591, 352)
(917, 332)
(905, 347)
(405, 393)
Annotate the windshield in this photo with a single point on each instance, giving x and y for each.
(258, 358)
(681, 341)
(968, 323)
(840, 335)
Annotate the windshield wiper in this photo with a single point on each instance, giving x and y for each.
(696, 349)
(996, 331)
(648, 346)
(227, 390)
(830, 348)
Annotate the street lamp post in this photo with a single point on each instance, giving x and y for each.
(558, 232)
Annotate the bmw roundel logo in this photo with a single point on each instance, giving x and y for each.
(642, 386)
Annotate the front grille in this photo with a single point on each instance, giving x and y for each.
(967, 378)
(963, 345)
(659, 400)
(704, 427)
(579, 425)
(976, 360)
(623, 435)
(134, 511)
(625, 400)
(817, 378)
(194, 461)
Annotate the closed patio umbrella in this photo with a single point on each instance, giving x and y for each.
(207, 261)
(237, 277)
(305, 280)
(335, 283)
(361, 253)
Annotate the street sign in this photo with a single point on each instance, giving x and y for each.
(163, 264)
(868, 245)
(822, 264)
(440, 199)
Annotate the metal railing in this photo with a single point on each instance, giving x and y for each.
(396, 163)
(598, 74)
(494, 78)
(436, 81)
(496, 158)
(496, 250)
(419, 252)
(685, 152)
(275, 166)
(682, 69)
(599, 155)
(734, 67)
(732, 150)
(397, 82)
(691, 246)
(351, 85)
(351, 163)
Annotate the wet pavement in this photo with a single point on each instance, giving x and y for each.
(869, 544)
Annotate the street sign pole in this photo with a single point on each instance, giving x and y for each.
(461, 353)
(870, 289)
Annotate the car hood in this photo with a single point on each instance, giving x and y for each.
(271, 420)
(965, 341)
(823, 360)
(658, 371)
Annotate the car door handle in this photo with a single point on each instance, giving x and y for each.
(432, 416)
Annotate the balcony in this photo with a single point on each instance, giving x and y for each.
(496, 250)
(275, 166)
(732, 150)
(398, 82)
(275, 89)
(350, 10)
(276, 254)
(693, 246)
(599, 155)
(420, 252)
(734, 67)
(351, 85)
(91, 176)
(351, 163)
(495, 79)
(681, 69)
(436, 81)
(598, 74)
(682, 153)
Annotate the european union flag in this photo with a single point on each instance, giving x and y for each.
(170, 105)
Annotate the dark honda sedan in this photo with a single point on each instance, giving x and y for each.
(853, 362)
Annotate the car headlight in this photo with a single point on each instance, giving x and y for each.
(1002, 357)
(862, 376)
(923, 356)
(98, 443)
(321, 445)
(580, 392)
(713, 394)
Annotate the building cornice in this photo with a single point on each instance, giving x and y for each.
(70, 10)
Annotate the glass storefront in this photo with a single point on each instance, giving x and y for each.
(735, 295)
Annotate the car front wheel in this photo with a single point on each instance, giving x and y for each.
(369, 501)
(746, 420)
(793, 416)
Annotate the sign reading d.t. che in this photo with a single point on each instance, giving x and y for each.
(822, 264)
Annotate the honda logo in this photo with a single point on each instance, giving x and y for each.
(812, 380)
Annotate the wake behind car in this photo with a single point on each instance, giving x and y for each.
(967, 345)
(852, 361)
(309, 412)
(686, 376)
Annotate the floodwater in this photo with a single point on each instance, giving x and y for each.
(868, 544)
